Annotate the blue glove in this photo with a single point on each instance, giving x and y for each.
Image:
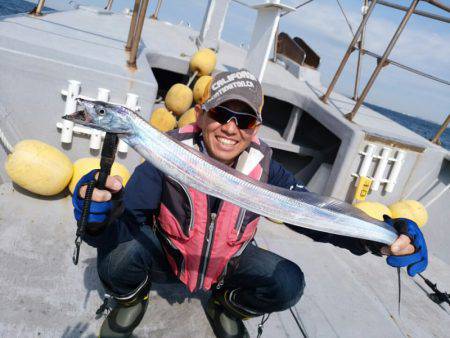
(417, 261)
(98, 211)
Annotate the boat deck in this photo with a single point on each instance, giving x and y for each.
(90, 37)
(44, 294)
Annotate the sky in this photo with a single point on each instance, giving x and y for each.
(424, 45)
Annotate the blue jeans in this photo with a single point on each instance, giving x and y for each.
(266, 282)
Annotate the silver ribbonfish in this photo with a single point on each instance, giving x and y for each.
(194, 169)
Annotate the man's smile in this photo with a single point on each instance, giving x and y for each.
(226, 141)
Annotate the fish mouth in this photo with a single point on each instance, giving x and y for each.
(83, 118)
(80, 117)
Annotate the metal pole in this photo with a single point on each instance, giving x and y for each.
(37, 10)
(109, 5)
(382, 62)
(441, 130)
(417, 11)
(409, 69)
(439, 5)
(349, 51)
(137, 5)
(275, 43)
(137, 36)
(158, 7)
(360, 46)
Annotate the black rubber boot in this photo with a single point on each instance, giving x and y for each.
(226, 317)
(127, 314)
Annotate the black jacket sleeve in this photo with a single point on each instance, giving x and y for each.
(280, 177)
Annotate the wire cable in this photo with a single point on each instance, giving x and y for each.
(5, 142)
(297, 7)
(345, 16)
(299, 324)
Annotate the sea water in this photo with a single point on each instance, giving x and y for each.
(424, 128)
(10, 7)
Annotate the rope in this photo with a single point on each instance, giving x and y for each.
(5, 142)
(297, 7)
(261, 325)
(299, 324)
(345, 16)
(303, 4)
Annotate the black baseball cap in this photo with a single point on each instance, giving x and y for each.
(240, 85)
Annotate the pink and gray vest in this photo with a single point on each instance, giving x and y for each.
(199, 244)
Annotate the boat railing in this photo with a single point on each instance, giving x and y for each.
(38, 9)
(108, 5)
(135, 32)
(383, 60)
(436, 138)
(154, 16)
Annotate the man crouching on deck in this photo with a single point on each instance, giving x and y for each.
(162, 230)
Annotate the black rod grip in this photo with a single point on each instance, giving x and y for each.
(107, 158)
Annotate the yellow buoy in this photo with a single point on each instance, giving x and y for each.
(84, 165)
(39, 167)
(179, 98)
(275, 220)
(410, 209)
(374, 209)
(199, 87)
(163, 120)
(187, 118)
(203, 61)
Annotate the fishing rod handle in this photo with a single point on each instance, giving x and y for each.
(107, 159)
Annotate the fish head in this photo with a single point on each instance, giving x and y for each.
(105, 116)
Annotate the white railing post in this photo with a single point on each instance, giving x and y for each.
(398, 163)
(367, 161)
(71, 105)
(381, 168)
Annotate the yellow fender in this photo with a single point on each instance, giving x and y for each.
(410, 209)
(163, 120)
(374, 209)
(39, 167)
(84, 165)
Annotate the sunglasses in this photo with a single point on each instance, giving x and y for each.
(243, 120)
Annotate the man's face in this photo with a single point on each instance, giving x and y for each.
(225, 142)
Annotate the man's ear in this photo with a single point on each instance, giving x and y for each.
(199, 115)
(256, 129)
(198, 110)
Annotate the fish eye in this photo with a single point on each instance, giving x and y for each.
(101, 112)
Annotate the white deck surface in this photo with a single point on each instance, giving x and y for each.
(44, 294)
